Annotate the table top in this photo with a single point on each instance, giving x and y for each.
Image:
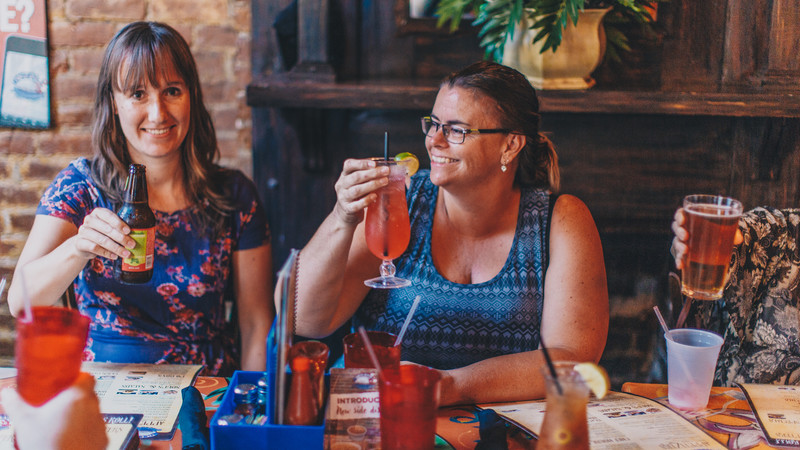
(727, 418)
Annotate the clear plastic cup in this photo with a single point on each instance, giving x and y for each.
(691, 362)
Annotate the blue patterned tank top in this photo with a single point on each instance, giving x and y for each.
(459, 324)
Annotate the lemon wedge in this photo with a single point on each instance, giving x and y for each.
(595, 378)
(409, 160)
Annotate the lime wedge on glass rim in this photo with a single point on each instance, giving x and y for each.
(409, 160)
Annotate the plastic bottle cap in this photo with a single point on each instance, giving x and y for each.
(300, 364)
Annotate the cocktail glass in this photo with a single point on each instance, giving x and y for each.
(564, 425)
(711, 221)
(356, 356)
(48, 352)
(387, 226)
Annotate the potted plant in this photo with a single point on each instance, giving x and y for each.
(546, 25)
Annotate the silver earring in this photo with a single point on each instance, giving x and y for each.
(503, 168)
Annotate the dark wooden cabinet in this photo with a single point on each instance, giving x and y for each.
(712, 105)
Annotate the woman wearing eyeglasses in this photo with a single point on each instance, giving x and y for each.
(501, 262)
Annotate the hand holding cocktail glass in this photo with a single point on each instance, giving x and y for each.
(705, 228)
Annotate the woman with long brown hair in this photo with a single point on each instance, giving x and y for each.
(212, 241)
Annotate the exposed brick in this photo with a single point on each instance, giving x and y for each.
(69, 88)
(198, 11)
(107, 10)
(22, 222)
(58, 62)
(225, 118)
(75, 34)
(86, 61)
(77, 145)
(19, 194)
(215, 66)
(71, 114)
(21, 142)
(11, 248)
(43, 169)
(216, 37)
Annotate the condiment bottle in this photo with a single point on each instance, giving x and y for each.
(245, 399)
(302, 406)
(136, 212)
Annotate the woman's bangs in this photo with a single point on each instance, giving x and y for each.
(139, 67)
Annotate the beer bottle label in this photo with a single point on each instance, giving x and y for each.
(141, 258)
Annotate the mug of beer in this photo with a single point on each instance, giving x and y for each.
(711, 221)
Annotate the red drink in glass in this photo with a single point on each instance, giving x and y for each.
(356, 356)
(49, 351)
(409, 398)
(387, 226)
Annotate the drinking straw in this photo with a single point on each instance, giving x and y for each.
(408, 320)
(551, 366)
(687, 303)
(368, 346)
(2, 286)
(664, 326)
(386, 145)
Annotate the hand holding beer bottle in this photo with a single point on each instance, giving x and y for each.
(136, 212)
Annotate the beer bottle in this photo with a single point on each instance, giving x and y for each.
(135, 211)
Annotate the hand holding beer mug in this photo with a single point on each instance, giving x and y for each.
(711, 222)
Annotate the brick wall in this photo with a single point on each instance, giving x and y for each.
(218, 32)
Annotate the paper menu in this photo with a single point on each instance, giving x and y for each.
(777, 409)
(619, 420)
(153, 390)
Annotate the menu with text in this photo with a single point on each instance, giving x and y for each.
(153, 390)
(777, 409)
(619, 420)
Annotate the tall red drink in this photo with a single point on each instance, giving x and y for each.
(387, 226)
(409, 398)
(49, 350)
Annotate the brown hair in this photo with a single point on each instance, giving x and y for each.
(149, 50)
(519, 109)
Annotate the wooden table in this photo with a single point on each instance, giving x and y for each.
(728, 417)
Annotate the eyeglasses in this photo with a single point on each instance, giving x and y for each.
(455, 134)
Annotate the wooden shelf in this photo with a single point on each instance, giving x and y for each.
(281, 91)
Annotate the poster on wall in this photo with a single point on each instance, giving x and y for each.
(25, 90)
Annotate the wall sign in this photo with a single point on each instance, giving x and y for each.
(25, 92)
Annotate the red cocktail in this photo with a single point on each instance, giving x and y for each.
(356, 356)
(387, 227)
(49, 350)
(409, 398)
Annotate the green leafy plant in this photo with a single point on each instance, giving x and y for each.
(498, 20)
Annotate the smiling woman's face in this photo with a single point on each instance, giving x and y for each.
(154, 118)
(479, 156)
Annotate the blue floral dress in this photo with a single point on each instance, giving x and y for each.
(178, 317)
(459, 324)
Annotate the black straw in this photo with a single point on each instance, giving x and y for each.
(551, 366)
(386, 145)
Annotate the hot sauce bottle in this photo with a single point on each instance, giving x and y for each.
(301, 408)
(136, 212)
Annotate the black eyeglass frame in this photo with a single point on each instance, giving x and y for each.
(429, 123)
